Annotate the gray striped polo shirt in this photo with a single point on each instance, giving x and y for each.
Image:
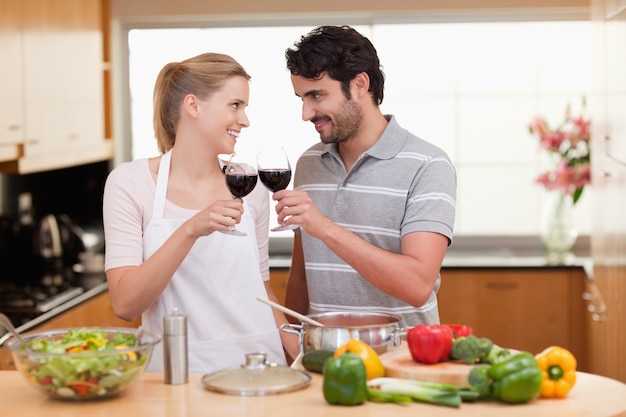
(400, 185)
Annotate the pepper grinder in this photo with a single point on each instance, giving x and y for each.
(175, 348)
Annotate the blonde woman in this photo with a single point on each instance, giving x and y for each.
(163, 217)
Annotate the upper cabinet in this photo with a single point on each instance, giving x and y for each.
(60, 76)
(614, 7)
(11, 125)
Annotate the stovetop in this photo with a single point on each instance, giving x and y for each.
(24, 300)
(35, 298)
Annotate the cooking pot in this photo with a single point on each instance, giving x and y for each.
(380, 331)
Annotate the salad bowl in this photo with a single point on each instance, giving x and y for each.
(83, 363)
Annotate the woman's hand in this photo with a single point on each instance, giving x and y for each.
(219, 215)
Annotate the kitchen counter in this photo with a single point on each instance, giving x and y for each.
(479, 259)
(592, 396)
(466, 253)
(464, 262)
(477, 251)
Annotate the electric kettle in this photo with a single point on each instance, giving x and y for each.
(47, 244)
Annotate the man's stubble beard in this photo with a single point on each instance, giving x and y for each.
(345, 125)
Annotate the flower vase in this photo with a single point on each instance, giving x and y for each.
(558, 233)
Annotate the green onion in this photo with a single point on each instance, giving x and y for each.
(426, 392)
(378, 396)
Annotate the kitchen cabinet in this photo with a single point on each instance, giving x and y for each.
(10, 80)
(525, 309)
(608, 163)
(96, 311)
(62, 80)
(278, 281)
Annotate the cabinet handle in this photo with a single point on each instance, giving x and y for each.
(502, 285)
(14, 128)
(596, 305)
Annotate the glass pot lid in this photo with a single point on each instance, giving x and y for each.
(256, 377)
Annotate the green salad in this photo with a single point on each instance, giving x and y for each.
(84, 363)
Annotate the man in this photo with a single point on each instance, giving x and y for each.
(375, 203)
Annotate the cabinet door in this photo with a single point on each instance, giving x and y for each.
(84, 117)
(63, 84)
(10, 80)
(608, 335)
(278, 280)
(43, 68)
(520, 309)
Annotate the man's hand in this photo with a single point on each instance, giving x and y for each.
(296, 207)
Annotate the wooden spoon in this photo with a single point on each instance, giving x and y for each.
(290, 312)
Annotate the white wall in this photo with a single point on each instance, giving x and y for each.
(472, 89)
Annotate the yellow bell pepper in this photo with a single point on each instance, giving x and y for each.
(132, 356)
(558, 366)
(373, 365)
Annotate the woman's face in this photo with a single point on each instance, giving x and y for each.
(222, 115)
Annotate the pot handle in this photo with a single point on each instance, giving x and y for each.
(398, 335)
(291, 328)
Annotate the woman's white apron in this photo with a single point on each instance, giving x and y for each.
(216, 288)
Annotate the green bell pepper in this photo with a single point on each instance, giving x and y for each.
(517, 379)
(345, 381)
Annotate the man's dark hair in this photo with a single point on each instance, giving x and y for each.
(342, 53)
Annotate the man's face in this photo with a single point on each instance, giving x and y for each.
(336, 118)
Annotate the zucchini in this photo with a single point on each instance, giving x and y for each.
(314, 360)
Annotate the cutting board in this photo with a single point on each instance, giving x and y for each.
(399, 364)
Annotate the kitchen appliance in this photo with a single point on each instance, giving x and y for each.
(47, 247)
(24, 301)
(60, 241)
(47, 264)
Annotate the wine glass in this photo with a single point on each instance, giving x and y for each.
(240, 174)
(275, 174)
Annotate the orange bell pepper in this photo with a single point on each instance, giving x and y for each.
(373, 365)
(558, 366)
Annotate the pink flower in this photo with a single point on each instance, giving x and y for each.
(570, 143)
(581, 130)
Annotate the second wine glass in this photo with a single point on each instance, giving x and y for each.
(241, 177)
(275, 174)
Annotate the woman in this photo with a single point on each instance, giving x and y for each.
(163, 217)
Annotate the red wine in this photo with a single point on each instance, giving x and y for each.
(275, 179)
(239, 184)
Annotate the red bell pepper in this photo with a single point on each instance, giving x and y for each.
(460, 330)
(430, 343)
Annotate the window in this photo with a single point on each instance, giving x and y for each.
(470, 88)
